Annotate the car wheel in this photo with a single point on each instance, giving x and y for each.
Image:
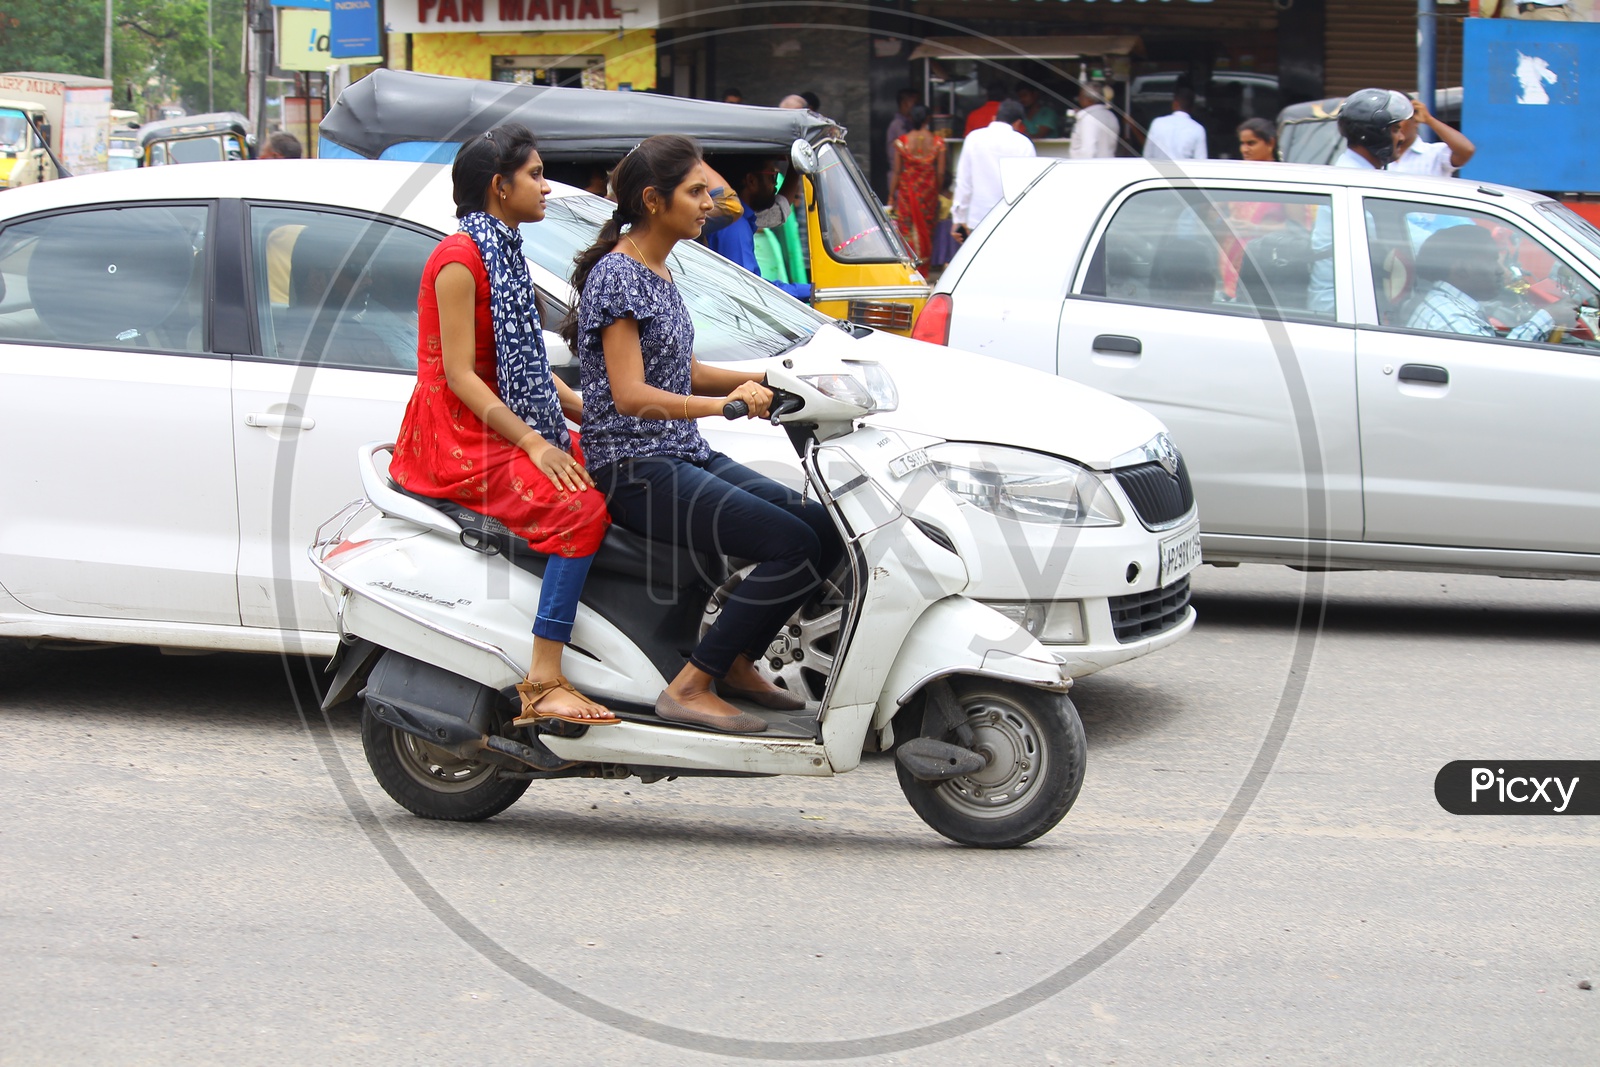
(1035, 747)
(433, 782)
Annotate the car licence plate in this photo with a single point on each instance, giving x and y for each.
(1179, 556)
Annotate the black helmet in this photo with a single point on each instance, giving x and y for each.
(1366, 116)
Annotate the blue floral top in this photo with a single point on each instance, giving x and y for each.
(623, 288)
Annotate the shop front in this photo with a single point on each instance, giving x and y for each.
(592, 44)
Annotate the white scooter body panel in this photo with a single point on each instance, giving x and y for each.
(430, 577)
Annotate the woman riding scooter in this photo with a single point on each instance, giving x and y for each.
(645, 389)
(485, 426)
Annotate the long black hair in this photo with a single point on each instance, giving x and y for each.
(502, 150)
(661, 163)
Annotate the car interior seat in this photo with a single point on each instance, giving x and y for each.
(1184, 271)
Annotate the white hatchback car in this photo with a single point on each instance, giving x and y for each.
(190, 356)
(1341, 399)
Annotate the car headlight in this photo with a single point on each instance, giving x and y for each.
(1024, 486)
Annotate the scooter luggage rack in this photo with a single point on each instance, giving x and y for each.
(318, 561)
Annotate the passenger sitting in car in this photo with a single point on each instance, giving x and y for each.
(1460, 268)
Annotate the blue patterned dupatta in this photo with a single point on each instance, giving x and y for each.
(522, 368)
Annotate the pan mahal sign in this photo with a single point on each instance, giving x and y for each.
(513, 16)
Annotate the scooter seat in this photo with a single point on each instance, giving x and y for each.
(664, 566)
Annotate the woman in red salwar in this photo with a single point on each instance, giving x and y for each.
(486, 424)
(916, 174)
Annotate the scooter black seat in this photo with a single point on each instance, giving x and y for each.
(663, 566)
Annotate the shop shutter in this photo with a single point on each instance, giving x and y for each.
(1374, 42)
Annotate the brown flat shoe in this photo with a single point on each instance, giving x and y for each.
(532, 692)
(776, 699)
(743, 723)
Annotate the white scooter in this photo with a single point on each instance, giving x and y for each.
(435, 607)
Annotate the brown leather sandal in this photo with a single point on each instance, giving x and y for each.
(532, 692)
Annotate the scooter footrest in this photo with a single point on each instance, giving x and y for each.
(534, 755)
(929, 760)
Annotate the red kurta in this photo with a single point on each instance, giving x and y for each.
(446, 452)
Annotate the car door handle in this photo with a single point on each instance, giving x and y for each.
(1122, 346)
(1423, 374)
(272, 421)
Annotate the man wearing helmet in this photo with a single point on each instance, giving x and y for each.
(1370, 121)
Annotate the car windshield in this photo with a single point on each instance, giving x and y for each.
(1574, 225)
(853, 224)
(736, 314)
(13, 130)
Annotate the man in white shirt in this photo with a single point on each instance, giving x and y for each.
(1441, 158)
(1178, 135)
(1094, 133)
(978, 187)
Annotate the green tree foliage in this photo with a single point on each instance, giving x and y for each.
(159, 47)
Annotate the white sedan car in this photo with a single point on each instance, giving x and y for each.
(1365, 369)
(190, 356)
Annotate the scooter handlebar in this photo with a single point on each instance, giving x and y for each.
(735, 409)
(782, 404)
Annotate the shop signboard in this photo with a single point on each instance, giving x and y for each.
(305, 41)
(1522, 103)
(518, 16)
(353, 28)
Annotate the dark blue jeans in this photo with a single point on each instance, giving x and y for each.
(558, 597)
(720, 506)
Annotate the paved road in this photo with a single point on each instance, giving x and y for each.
(188, 874)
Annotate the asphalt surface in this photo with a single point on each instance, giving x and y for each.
(190, 873)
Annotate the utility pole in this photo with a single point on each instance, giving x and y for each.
(261, 27)
(211, 79)
(108, 40)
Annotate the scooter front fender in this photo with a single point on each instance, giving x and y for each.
(957, 635)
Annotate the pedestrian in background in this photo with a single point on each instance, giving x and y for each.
(899, 126)
(978, 187)
(1178, 135)
(984, 114)
(1258, 140)
(916, 173)
(733, 96)
(281, 145)
(1441, 158)
(1039, 119)
(1094, 133)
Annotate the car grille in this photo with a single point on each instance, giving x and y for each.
(1140, 615)
(1158, 497)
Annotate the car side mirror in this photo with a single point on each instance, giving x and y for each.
(802, 157)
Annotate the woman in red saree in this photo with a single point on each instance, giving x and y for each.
(915, 176)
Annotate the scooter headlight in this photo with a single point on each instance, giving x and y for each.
(1024, 486)
(872, 390)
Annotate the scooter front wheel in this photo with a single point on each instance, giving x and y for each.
(432, 782)
(1035, 750)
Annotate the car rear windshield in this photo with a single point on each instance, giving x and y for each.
(736, 314)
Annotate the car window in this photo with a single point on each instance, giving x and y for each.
(336, 289)
(117, 278)
(736, 314)
(1456, 271)
(1210, 250)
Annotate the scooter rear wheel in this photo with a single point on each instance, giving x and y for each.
(1036, 750)
(431, 782)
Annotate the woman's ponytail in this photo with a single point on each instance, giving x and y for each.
(660, 163)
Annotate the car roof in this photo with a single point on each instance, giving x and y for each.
(1115, 173)
(409, 190)
(390, 107)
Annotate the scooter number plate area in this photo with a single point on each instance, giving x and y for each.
(1179, 556)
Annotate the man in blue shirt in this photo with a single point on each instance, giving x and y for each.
(755, 180)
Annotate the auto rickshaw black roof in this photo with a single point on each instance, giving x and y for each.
(194, 125)
(390, 107)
